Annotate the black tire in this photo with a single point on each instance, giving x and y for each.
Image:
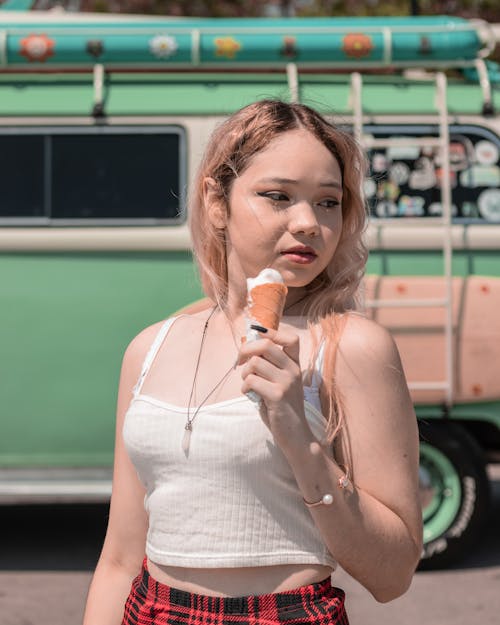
(455, 492)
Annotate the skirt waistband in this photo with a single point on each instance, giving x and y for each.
(250, 604)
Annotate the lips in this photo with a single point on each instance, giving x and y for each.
(300, 254)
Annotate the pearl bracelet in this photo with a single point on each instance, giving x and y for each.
(343, 482)
(326, 500)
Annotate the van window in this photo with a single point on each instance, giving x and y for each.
(21, 176)
(78, 176)
(404, 181)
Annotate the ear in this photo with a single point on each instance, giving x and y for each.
(214, 203)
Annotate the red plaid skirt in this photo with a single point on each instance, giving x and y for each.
(152, 603)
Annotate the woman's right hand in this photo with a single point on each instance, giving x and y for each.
(271, 368)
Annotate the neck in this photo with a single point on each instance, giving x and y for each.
(236, 304)
(297, 301)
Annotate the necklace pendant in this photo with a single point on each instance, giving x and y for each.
(186, 439)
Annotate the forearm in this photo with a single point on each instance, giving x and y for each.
(108, 593)
(369, 540)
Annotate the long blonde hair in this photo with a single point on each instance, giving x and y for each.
(229, 152)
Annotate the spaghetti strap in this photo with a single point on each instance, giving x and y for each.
(151, 355)
(317, 375)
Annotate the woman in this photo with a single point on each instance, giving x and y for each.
(244, 509)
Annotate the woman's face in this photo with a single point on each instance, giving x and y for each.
(285, 211)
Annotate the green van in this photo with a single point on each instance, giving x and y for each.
(102, 122)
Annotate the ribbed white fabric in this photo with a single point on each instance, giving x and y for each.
(233, 501)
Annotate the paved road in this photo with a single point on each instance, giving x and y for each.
(47, 554)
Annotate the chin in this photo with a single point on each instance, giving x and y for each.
(294, 281)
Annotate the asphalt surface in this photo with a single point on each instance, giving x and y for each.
(47, 554)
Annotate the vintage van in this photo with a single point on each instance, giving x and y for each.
(102, 122)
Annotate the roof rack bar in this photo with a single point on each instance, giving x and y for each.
(195, 46)
(3, 48)
(444, 135)
(485, 84)
(369, 142)
(489, 34)
(292, 75)
(428, 386)
(407, 221)
(356, 104)
(407, 303)
(98, 82)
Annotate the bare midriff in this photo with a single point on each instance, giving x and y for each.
(239, 582)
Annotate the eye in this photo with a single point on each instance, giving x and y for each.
(274, 196)
(329, 203)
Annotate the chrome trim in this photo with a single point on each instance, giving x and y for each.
(54, 485)
(155, 239)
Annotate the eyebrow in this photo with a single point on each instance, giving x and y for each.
(328, 183)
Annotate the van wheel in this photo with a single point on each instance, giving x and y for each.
(454, 492)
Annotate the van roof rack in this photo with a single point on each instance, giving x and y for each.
(38, 41)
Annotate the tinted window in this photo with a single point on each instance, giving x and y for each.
(92, 175)
(115, 176)
(21, 176)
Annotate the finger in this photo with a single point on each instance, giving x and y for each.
(264, 388)
(288, 340)
(263, 368)
(265, 348)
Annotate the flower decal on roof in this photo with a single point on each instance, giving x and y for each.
(357, 45)
(163, 46)
(289, 48)
(95, 47)
(227, 47)
(37, 47)
(425, 45)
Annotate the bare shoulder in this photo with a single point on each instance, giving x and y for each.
(134, 357)
(367, 352)
(139, 346)
(364, 340)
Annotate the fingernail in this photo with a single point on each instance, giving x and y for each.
(254, 326)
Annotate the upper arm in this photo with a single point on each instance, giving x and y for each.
(127, 526)
(381, 432)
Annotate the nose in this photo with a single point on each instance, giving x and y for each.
(303, 220)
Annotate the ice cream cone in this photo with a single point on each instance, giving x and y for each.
(266, 302)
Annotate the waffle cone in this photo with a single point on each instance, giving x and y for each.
(266, 304)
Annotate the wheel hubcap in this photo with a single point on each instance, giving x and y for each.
(440, 491)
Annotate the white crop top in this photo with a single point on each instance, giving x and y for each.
(233, 501)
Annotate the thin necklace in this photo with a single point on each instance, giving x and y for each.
(301, 299)
(188, 428)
